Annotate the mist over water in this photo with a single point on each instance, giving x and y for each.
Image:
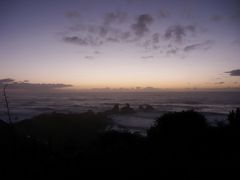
(214, 105)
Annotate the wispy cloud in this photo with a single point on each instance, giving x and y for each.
(76, 40)
(202, 46)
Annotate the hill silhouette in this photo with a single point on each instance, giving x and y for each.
(59, 144)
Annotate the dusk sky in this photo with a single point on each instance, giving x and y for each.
(174, 44)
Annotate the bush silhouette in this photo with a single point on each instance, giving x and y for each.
(186, 123)
(53, 143)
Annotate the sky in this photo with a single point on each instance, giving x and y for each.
(84, 44)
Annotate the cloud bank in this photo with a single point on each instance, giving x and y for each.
(25, 85)
(235, 72)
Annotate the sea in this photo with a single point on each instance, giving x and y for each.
(215, 106)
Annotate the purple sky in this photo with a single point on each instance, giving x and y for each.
(121, 43)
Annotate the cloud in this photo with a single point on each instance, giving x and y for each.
(235, 72)
(6, 81)
(178, 32)
(110, 30)
(86, 41)
(115, 17)
(25, 85)
(95, 35)
(204, 45)
(76, 40)
(142, 25)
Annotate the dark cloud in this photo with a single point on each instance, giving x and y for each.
(235, 72)
(86, 41)
(76, 40)
(95, 35)
(178, 32)
(109, 31)
(115, 17)
(142, 25)
(203, 46)
(25, 85)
